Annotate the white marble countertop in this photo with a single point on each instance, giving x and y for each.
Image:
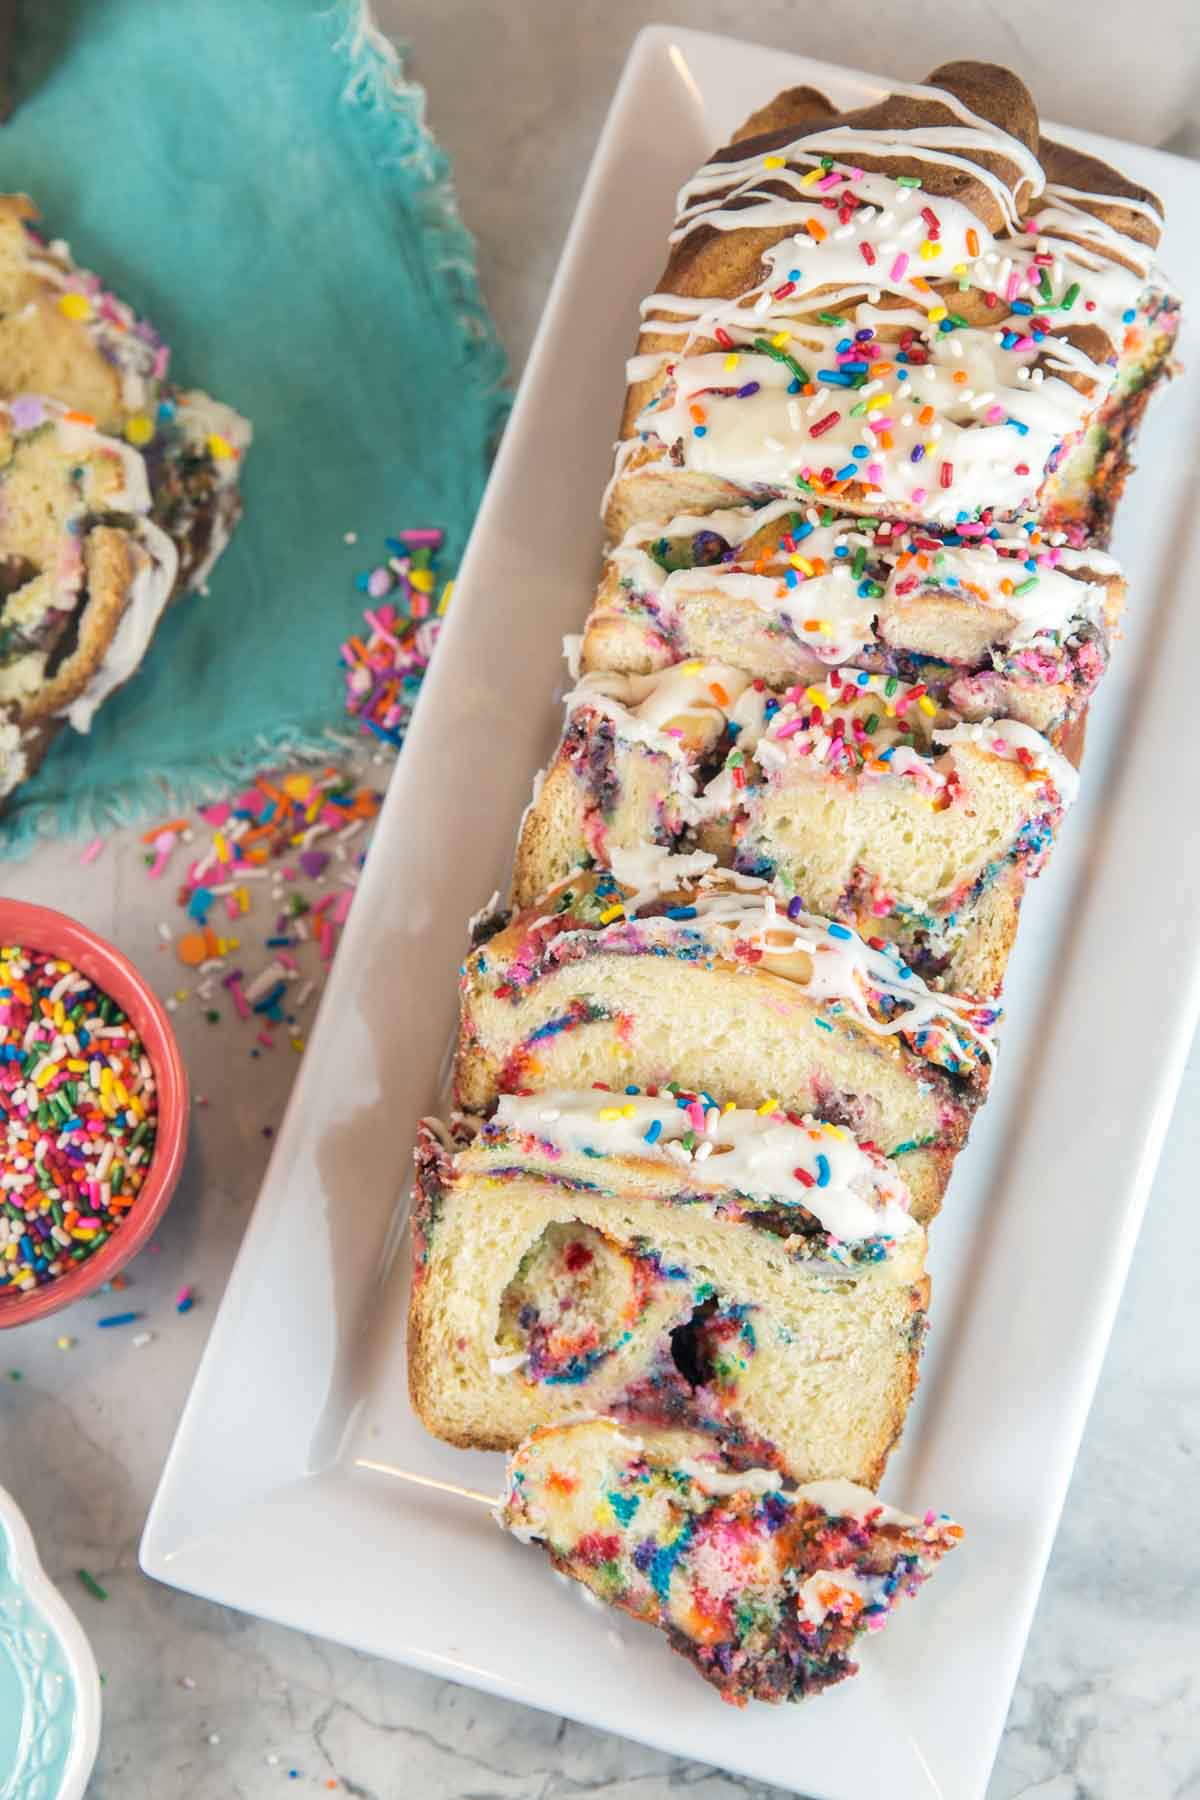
(206, 1703)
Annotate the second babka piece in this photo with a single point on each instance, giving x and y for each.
(85, 574)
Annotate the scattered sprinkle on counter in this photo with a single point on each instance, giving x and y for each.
(236, 859)
(247, 857)
(92, 1585)
(385, 663)
(78, 1117)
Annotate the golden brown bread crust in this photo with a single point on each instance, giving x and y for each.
(538, 847)
(793, 107)
(708, 263)
(421, 1387)
(1066, 167)
(995, 93)
(920, 1309)
(42, 350)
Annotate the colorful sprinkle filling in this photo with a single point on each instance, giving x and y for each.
(78, 1117)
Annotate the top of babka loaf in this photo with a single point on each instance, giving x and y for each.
(913, 255)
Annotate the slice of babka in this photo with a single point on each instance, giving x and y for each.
(753, 1274)
(669, 970)
(859, 795)
(993, 622)
(853, 311)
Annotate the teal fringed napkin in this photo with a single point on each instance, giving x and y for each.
(255, 176)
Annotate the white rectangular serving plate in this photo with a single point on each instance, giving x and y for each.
(264, 1504)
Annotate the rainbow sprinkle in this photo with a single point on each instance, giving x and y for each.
(386, 662)
(282, 831)
(78, 1117)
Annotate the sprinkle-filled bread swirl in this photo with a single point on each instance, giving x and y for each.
(635, 752)
(752, 1275)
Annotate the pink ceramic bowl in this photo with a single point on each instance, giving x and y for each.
(39, 928)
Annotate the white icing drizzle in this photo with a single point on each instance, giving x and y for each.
(1007, 738)
(723, 1482)
(659, 709)
(920, 142)
(855, 1196)
(1067, 212)
(157, 561)
(650, 871)
(843, 1499)
(764, 439)
(842, 968)
(825, 610)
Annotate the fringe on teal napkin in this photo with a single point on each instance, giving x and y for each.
(256, 177)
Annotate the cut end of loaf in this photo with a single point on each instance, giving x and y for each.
(765, 1588)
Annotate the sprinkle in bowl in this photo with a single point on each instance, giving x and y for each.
(46, 933)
